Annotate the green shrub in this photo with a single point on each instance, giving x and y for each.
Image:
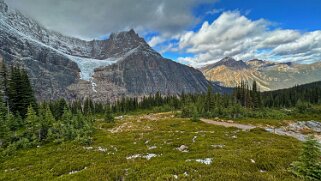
(109, 117)
(308, 167)
(195, 117)
(186, 112)
(302, 106)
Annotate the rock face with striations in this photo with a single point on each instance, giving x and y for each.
(140, 71)
(51, 72)
(268, 75)
(61, 66)
(144, 71)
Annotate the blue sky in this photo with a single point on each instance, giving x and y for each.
(194, 32)
(298, 15)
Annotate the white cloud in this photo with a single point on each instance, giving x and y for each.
(214, 11)
(306, 43)
(279, 37)
(94, 18)
(156, 40)
(164, 42)
(233, 34)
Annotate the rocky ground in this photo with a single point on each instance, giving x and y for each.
(300, 130)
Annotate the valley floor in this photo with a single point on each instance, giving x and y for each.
(159, 147)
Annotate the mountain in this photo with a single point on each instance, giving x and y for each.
(269, 75)
(228, 62)
(62, 66)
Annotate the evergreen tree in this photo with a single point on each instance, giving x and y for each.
(309, 165)
(108, 115)
(302, 106)
(46, 121)
(236, 110)
(33, 125)
(57, 108)
(13, 123)
(20, 94)
(256, 96)
(88, 107)
(12, 90)
(195, 117)
(4, 82)
(208, 102)
(68, 131)
(309, 93)
(27, 93)
(4, 129)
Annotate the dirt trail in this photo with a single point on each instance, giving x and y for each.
(226, 124)
(278, 131)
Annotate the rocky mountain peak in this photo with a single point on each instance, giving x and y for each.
(256, 62)
(228, 59)
(230, 63)
(127, 37)
(131, 34)
(120, 44)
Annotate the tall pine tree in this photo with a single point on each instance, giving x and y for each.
(20, 93)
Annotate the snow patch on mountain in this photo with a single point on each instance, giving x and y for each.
(93, 85)
(86, 65)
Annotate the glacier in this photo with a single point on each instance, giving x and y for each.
(87, 66)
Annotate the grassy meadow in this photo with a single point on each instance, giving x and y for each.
(149, 147)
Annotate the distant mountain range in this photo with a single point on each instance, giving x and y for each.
(269, 75)
(62, 66)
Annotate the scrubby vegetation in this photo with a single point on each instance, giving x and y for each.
(308, 167)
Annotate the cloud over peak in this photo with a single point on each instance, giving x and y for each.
(234, 35)
(94, 18)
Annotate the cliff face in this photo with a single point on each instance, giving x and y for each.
(61, 66)
(145, 71)
(142, 71)
(51, 71)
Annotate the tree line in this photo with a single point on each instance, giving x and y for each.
(308, 93)
(245, 101)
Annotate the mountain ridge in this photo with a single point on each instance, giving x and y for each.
(269, 75)
(229, 62)
(62, 66)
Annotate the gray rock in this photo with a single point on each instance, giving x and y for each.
(315, 126)
(49, 57)
(218, 146)
(182, 148)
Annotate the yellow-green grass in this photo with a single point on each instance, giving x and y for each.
(272, 154)
(292, 115)
(260, 122)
